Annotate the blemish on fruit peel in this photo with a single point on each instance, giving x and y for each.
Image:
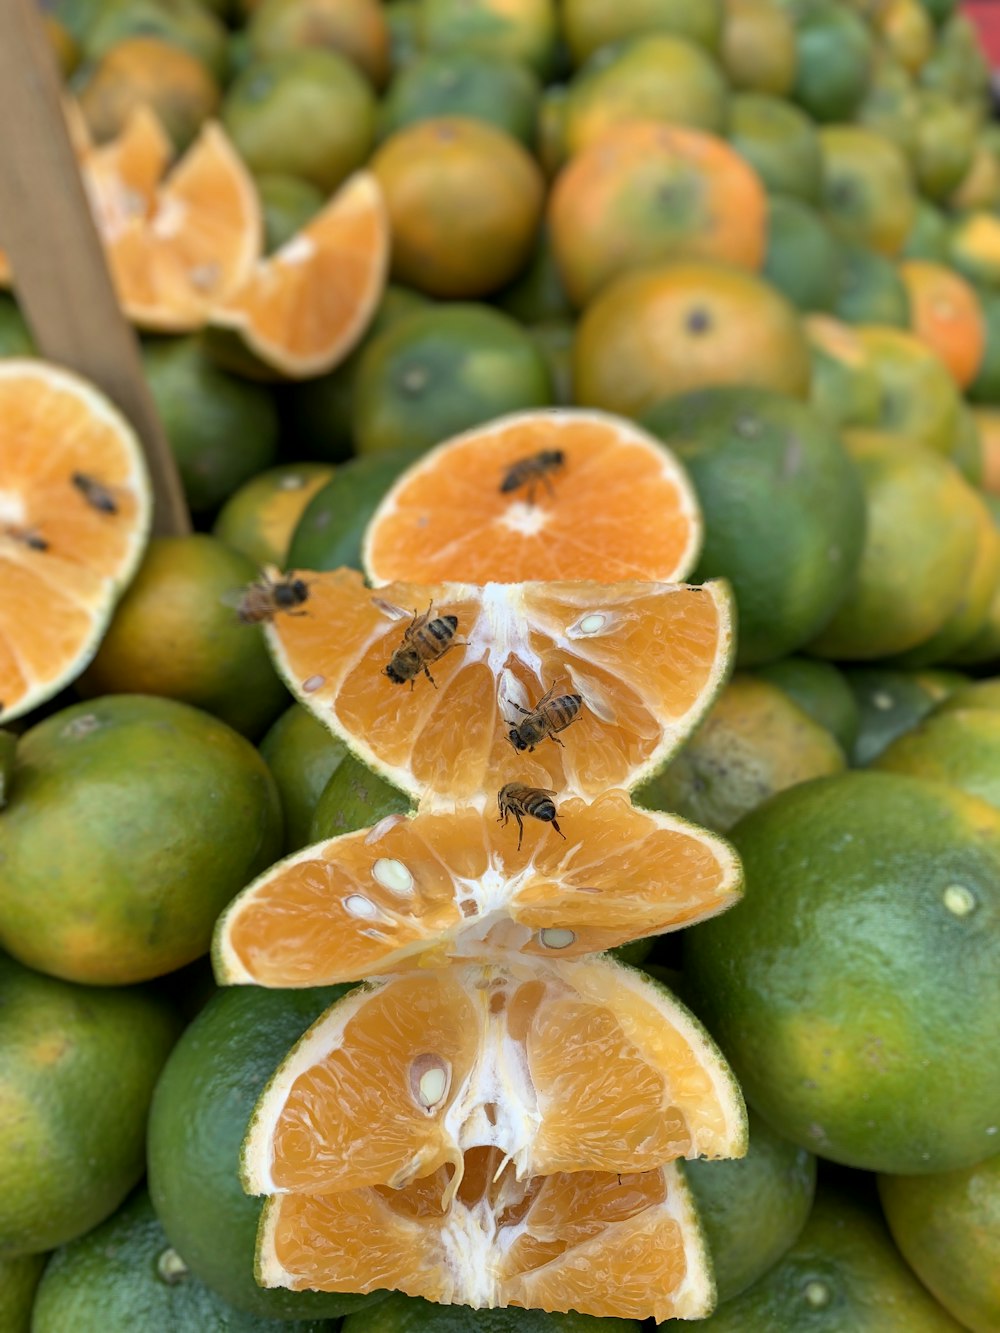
(171, 1267)
(392, 875)
(959, 900)
(817, 1294)
(553, 937)
(361, 907)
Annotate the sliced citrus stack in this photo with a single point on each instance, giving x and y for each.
(304, 307)
(456, 884)
(194, 246)
(598, 1243)
(628, 669)
(573, 1066)
(74, 515)
(547, 494)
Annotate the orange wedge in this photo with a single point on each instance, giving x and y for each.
(602, 1244)
(645, 661)
(575, 1066)
(123, 175)
(195, 245)
(74, 516)
(456, 885)
(618, 507)
(304, 307)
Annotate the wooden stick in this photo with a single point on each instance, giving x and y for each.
(62, 280)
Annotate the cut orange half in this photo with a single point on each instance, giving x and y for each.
(602, 1244)
(74, 515)
(575, 1066)
(457, 885)
(304, 307)
(196, 244)
(551, 494)
(642, 660)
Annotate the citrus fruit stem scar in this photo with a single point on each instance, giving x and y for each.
(817, 1294)
(171, 1267)
(958, 899)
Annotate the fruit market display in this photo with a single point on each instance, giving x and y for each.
(530, 858)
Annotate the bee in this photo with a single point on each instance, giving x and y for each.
(271, 593)
(536, 802)
(532, 470)
(29, 537)
(544, 720)
(425, 640)
(96, 495)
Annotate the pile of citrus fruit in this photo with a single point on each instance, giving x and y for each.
(420, 908)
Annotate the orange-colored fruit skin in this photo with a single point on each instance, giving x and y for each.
(667, 330)
(947, 316)
(464, 204)
(147, 70)
(648, 192)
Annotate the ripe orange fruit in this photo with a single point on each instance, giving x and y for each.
(644, 659)
(147, 71)
(302, 309)
(647, 192)
(446, 518)
(368, 903)
(74, 516)
(645, 1086)
(194, 246)
(464, 202)
(651, 77)
(947, 316)
(669, 329)
(586, 1243)
(259, 518)
(974, 247)
(356, 29)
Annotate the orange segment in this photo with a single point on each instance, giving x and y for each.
(64, 555)
(572, 1066)
(122, 176)
(195, 246)
(645, 660)
(620, 507)
(601, 1244)
(454, 884)
(305, 307)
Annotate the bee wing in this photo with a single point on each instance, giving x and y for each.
(234, 597)
(511, 692)
(594, 695)
(390, 611)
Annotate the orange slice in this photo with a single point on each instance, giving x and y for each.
(602, 1244)
(122, 176)
(455, 885)
(575, 1066)
(74, 515)
(304, 307)
(619, 507)
(195, 246)
(644, 659)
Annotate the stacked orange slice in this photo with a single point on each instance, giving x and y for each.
(493, 1118)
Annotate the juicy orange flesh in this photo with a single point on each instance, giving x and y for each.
(197, 245)
(315, 296)
(599, 1243)
(645, 675)
(619, 510)
(122, 176)
(561, 1070)
(454, 885)
(50, 598)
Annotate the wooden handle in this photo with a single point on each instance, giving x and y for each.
(60, 274)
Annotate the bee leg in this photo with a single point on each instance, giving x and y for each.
(296, 613)
(430, 677)
(547, 482)
(520, 828)
(553, 737)
(525, 711)
(555, 825)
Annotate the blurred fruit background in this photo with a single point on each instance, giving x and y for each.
(768, 231)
